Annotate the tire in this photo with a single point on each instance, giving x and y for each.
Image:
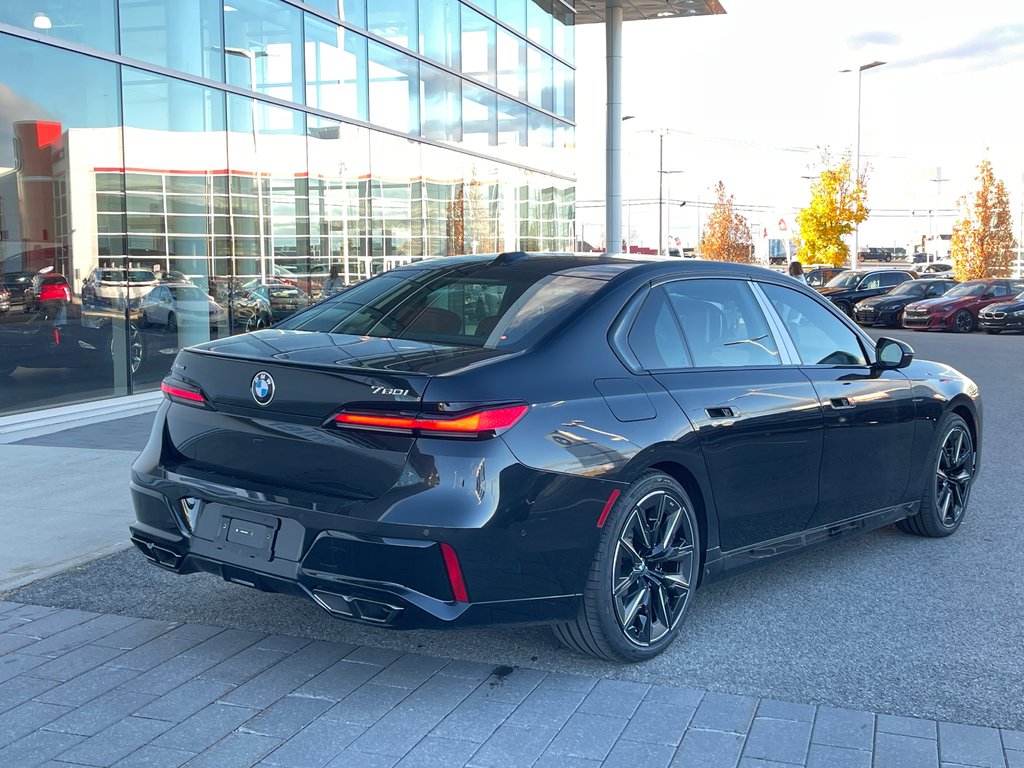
(143, 320)
(963, 322)
(655, 581)
(948, 489)
(172, 323)
(888, 259)
(994, 331)
(845, 308)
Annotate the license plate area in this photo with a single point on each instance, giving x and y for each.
(247, 535)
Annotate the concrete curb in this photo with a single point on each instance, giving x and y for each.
(49, 420)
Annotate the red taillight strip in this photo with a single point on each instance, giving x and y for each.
(607, 508)
(451, 564)
(184, 394)
(481, 421)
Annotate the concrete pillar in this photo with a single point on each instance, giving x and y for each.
(613, 143)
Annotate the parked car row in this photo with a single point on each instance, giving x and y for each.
(898, 297)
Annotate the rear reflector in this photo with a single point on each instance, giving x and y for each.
(182, 394)
(607, 508)
(451, 564)
(473, 423)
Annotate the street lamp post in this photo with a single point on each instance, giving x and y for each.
(856, 227)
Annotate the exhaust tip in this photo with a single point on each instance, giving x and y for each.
(373, 611)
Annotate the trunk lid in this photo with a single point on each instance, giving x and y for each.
(292, 441)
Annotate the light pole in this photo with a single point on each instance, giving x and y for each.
(668, 211)
(856, 178)
(629, 202)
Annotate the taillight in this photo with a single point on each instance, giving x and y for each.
(472, 424)
(179, 393)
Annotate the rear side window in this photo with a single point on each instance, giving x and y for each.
(820, 337)
(722, 323)
(655, 338)
(889, 279)
(491, 306)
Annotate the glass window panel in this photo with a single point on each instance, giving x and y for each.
(479, 46)
(395, 234)
(540, 78)
(59, 122)
(263, 48)
(394, 89)
(820, 337)
(512, 125)
(393, 20)
(511, 64)
(538, 22)
(440, 39)
(541, 130)
(351, 11)
(178, 34)
(89, 22)
(513, 13)
(564, 91)
(441, 96)
(564, 33)
(722, 323)
(336, 77)
(479, 116)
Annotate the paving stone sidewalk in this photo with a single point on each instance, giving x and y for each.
(87, 689)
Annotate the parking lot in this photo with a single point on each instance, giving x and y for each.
(885, 622)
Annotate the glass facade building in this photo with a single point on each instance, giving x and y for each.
(248, 147)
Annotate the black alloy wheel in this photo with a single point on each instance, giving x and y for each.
(254, 323)
(136, 348)
(963, 322)
(949, 486)
(845, 308)
(643, 577)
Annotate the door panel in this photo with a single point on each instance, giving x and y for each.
(869, 436)
(763, 455)
(868, 414)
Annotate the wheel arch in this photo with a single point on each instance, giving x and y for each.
(694, 482)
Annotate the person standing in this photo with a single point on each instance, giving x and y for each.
(796, 271)
(333, 284)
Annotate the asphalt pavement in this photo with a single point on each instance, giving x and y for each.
(886, 622)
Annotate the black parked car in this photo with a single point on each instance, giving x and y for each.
(887, 309)
(851, 286)
(819, 276)
(613, 434)
(16, 283)
(1005, 316)
(875, 254)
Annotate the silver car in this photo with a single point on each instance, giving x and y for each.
(175, 304)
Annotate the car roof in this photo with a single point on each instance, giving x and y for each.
(595, 266)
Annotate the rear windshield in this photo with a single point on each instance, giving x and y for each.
(491, 307)
(117, 275)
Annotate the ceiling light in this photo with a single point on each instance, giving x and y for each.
(229, 8)
(663, 14)
(42, 21)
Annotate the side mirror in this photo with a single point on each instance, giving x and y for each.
(891, 354)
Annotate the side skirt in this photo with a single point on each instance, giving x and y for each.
(720, 565)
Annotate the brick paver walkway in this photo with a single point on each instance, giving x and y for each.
(86, 689)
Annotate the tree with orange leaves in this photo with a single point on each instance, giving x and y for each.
(982, 244)
(726, 234)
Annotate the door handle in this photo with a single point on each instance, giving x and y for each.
(721, 413)
(841, 403)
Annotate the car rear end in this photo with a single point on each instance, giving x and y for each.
(317, 463)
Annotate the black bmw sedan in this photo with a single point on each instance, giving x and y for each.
(887, 309)
(1005, 316)
(580, 441)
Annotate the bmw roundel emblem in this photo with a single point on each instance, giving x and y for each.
(262, 388)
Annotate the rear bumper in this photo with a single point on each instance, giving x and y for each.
(524, 559)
